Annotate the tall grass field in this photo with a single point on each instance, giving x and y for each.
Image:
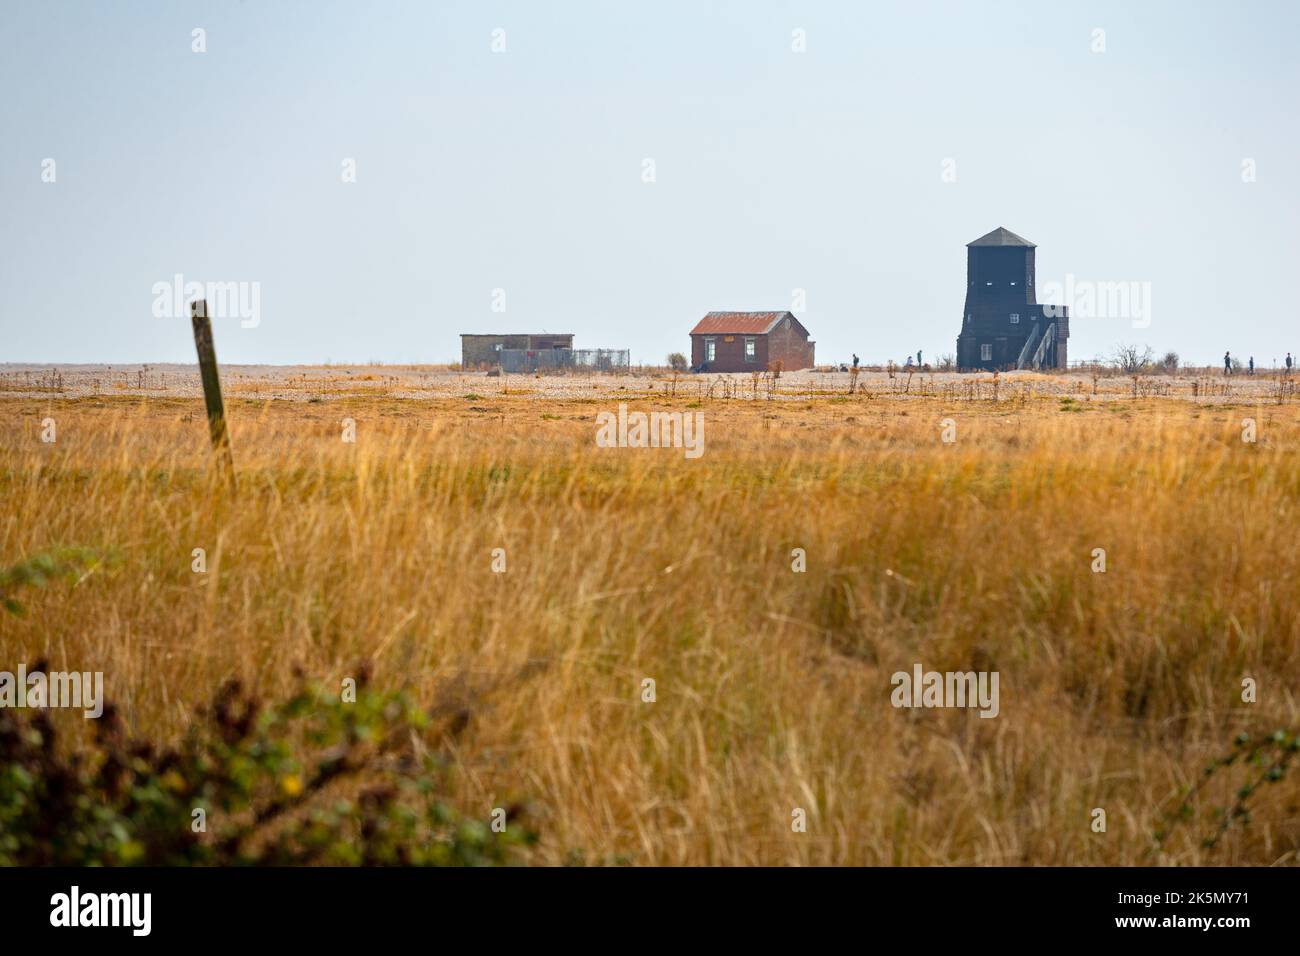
(688, 657)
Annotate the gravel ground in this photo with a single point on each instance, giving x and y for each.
(318, 382)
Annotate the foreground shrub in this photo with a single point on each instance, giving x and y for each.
(38, 570)
(317, 778)
(1260, 759)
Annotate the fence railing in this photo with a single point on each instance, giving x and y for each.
(546, 360)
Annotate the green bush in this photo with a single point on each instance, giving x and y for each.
(248, 784)
(1260, 759)
(312, 779)
(40, 569)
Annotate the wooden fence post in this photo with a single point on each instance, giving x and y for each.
(212, 386)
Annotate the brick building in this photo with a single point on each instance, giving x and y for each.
(750, 342)
(480, 351)
(1003, 326)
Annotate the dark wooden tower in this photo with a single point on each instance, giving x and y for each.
(1003, 326)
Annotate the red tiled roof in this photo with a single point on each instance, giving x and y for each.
(737, 323)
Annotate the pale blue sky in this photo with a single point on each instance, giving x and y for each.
(522, 170)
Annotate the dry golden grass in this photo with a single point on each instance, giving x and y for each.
(773, 688)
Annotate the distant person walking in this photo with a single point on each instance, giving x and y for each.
(1227, 364)
(1252, 366)
(855, 360)
(1288, 362)
(918, 356)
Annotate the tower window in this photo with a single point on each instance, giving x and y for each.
(1015, 318)
(986, 352)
